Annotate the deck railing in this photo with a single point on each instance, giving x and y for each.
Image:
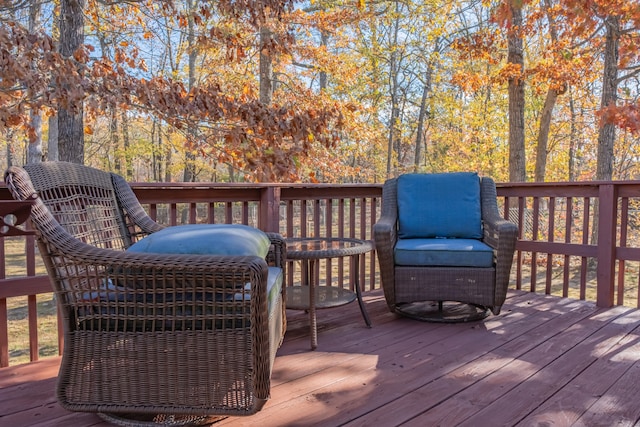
(578, 240)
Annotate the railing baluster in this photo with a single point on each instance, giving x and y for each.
(585, 240)
(4, 334)
(363, 236)
(567, 239)
(534, 237)
(303, 218)
(193, 211)
(328, 225)
(550, 238)
(352, 218)
(33, 327)
(245, 213)
(519, 257)
(372, 256)
(153, 211)
(228, 218)
(624, 223)
(341, 209)
(211, 213)
(173, 214)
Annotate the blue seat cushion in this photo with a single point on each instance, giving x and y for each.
(206, 239)
(274, 287)
(443, 252)
(439, 205)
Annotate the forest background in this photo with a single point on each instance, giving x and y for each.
(323, 91)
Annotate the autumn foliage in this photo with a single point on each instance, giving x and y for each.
(234, 128)
(357, 91)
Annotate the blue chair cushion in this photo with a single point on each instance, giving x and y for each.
(274, 287)
(206, 239)
(443, 252)
(439, 205)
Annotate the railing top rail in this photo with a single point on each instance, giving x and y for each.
(567, 183)
(157, 185)
(205, 192)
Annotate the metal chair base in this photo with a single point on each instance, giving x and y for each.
(158, 420)
(443, 311)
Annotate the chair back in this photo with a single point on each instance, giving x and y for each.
(439, 205)
(93, 206)
(81, 199)
(77, 209)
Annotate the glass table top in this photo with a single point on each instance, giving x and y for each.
(328, 247)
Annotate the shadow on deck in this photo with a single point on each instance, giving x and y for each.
(543, 361)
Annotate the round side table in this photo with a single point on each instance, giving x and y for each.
(310, 295)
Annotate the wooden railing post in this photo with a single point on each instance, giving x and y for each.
(269, 219)
(607, 219)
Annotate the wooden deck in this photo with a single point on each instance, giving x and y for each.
(543, 361)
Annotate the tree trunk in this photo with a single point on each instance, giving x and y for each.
(517, 171)
(266, 66)
(232, 174)
(573, 138)
(34, 150)
(70, 122)
(547, 110)
(52, 137)
(422, 115)
(543, 135)
(126, 145)
(167, 164)
(607, 133)
(11, 152)
(155, 152)
(114, 138)
(392, 143)
(190, 157)
(324, 40)
(426, 90)
(52, 142)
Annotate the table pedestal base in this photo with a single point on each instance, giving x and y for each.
(158, 420)
(445, 312)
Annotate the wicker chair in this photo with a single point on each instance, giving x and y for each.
(147, 336)
(424, 283)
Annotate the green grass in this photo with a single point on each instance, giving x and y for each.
(19, 328)
(17, 308)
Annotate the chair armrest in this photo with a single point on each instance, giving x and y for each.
(497, 230)
(278, 252)
(501, 235)
(385, 236)
(277, 257)
(138, 222)
(81, 253)
(385, 231)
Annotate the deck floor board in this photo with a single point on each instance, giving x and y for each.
(543, 361)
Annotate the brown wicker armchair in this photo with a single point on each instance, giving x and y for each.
(420, 274)
(148, 336)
